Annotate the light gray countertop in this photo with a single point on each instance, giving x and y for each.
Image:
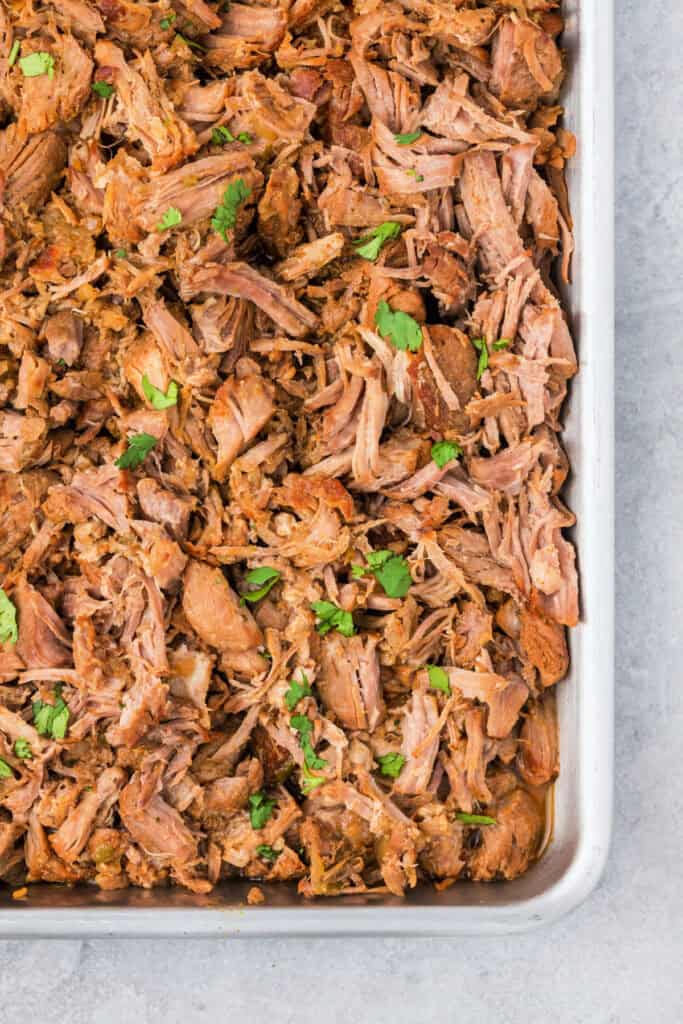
(619, 958)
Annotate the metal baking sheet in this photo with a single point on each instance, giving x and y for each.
(576, 855)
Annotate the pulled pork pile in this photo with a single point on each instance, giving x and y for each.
(284, 580)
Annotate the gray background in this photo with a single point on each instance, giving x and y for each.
(618, 958)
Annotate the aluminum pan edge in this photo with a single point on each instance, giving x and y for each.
(576, 859)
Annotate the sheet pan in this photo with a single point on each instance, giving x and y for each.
(576, 855)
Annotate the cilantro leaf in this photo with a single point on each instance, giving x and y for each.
(444, 452)
(170, 219)
(391, 764)
(156, 396)
(407, 139)
(51, 719)
(120, 254)
(304, 727)
(220, 135)
(391, 571)
(5, 770)
(475, 819)
(403, 332)
(370, 245)
(35, 64)
(265, 577)
(297, 691)
(413, 174)
(358, 571)
(139, 447)
(482, 349)
(14, 53)
(501, 344)
(225, 216)
(166, 22)
(438, 679)
(261, 809)
(309, 781)
(267, 853)
(189, 42)
(245, 138)
(22, 749)
(103, 89)
(332, 617)
(8, 620)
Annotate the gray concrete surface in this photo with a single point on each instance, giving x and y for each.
(618, 959)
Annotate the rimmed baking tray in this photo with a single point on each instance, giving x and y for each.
(576, 855)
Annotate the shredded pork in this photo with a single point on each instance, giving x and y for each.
(285, 577)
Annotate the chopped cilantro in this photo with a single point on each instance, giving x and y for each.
(267, 853)
(309, 780)
(475, 819)
(332, 617)
(189, 42)
(156, 397)
(304, 727)
(8, 620)
(407, 139)
(14, 53)
(297, 691)
(103, 89)
(438, 679)
(139, 447)
(482, 349)
(265, 577)
(225, 216)
(358, 571)
(245, 138)
(413, 174)
(403, 332)
(170, 219)
(391, 571)
(391, 764)
(261, 809)
(220, 135)
(51, 719)
(22, 749)
(35, 64)
(5, 770)
(168, 20)
(120, 254)
(444, 452)
(370, 245)
(501, 344)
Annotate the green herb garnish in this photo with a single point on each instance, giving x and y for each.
(168, 20)
(189, 42)
(35, 64)
(8, 620)
(501, 344)
(261, 809)
(297, 691)
(139, 447)
(482, 349)
(475, 819)
(22, 749)
(389, 569)
(170, 219)
(156, 397)
(370, 245)
(220, 135)
(413, 174)
(51, 719)
(267, 853)
(120, 254)
(304, 727)
(225, 216)
(403, 332)
(265, 577)
(391, 764)
(333, 617)
(103, 89)
(444, 452)
(407, 139)
(310, 781)
(14, 53)
(5, 770)
(438, 679)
